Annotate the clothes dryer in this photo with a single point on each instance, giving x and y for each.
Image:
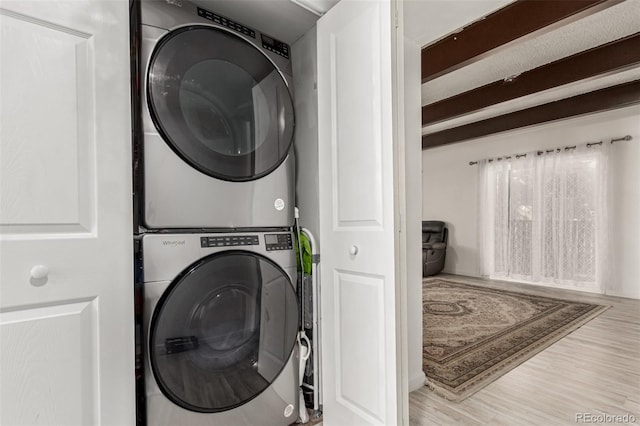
(217, 118)
(220, 325)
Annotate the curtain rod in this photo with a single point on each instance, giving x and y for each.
(566, 148)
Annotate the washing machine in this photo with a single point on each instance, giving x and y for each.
(220, 325)
(217, 119)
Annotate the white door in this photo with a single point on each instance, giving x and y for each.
(66, 291)
(362, 382)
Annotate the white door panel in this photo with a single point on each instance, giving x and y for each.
(66, 290)
(359, 343)
(360, 348)
(33, 344)
(48, 128)
(357, 183)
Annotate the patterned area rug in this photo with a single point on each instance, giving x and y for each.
(473, 335)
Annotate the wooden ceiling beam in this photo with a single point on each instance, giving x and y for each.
(612, 97)
(514, 21)
(610, 57)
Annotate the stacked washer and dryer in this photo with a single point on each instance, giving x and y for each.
(220, 314)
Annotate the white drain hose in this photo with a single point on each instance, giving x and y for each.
(305, 351)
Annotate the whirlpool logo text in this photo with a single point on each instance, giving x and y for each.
(173, 243)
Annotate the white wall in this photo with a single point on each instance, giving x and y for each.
(413, 172)
(449, 186)
(304, 62)
(429, 20)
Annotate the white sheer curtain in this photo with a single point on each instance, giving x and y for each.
(543, 217)
(493, 196)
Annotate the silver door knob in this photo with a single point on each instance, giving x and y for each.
(353, 250)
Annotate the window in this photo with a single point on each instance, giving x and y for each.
(543, 217)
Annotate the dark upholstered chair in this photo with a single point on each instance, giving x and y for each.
(434, 246)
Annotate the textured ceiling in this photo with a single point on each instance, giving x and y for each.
(607, 25)
(523, 55)
(426, 21)
(566, 91)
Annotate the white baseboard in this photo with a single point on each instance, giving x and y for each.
(618, 293)
(417, 381)
(463, 273)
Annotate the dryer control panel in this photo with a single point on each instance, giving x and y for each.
(275, 46)
(226, 22)
(231, 240)
(278, 242)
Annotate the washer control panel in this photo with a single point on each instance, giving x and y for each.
(278, 242)
(231, 240)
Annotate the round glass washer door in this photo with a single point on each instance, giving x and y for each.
(223, 331)
(219, 103)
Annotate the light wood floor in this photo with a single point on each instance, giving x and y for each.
(596, 370)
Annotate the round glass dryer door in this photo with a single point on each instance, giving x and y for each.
(223, 331)
(220, 103)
